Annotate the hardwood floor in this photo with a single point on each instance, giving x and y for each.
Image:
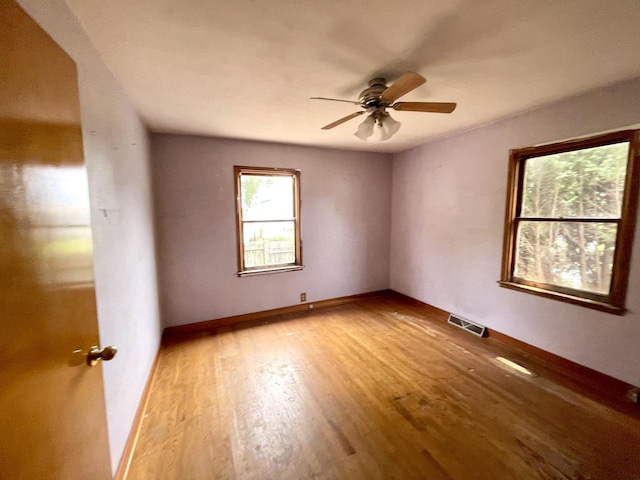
(369, 390)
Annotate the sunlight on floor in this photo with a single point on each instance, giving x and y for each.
(514, 365)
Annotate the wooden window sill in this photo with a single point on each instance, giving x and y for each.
(266, 271)
(564, 297)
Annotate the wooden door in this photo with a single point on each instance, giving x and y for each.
(52, 407)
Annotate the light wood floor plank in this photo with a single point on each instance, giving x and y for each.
(369, 390)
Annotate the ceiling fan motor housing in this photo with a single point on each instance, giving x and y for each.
(370, 97)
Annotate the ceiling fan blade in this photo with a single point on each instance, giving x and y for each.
(407, 82)
(435, 107)
(334, 100)
(342, 120)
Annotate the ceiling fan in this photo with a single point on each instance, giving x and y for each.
(378, 97)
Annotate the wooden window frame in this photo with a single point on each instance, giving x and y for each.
(238, 171)
(614, 302)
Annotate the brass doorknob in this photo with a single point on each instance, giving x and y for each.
(96, 354)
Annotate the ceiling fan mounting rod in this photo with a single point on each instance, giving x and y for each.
(378, 81)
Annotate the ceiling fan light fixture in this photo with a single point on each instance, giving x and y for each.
(365, 129)
(389, 127)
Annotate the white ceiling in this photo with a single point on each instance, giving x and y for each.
(246, 68)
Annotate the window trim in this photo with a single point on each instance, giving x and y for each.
(614, 302)
(238, 171)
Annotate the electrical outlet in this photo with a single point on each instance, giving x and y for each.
(634, 395)
(303, 297)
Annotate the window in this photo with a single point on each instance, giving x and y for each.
(571, 212)
(268, 213)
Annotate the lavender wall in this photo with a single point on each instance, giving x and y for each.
(447, 225)
(346, 203)
(116, 149)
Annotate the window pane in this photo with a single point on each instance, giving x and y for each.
(586, 183)
(566, 254)
(266, 197)
(269, 243)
